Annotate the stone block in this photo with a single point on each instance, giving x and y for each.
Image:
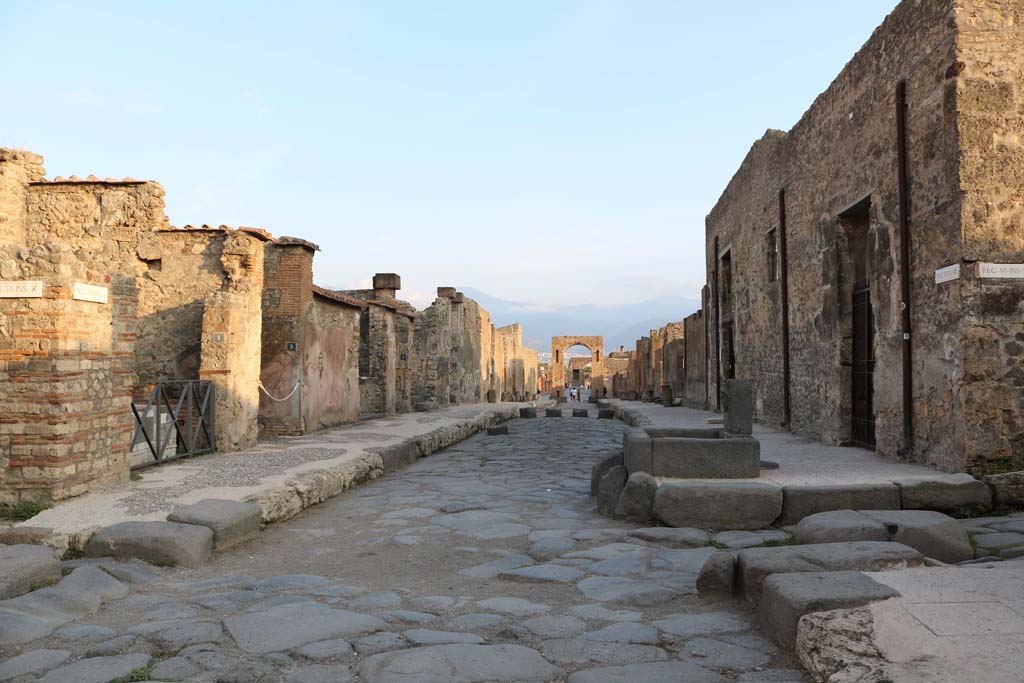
(24, 568)
(739, 413)
(944, 492)
(754, 565)
(231, 521)
(497, 430)
(605, 414)
(840, 526)
(718, 575)
(799, 501)
(396, 456)
(600, 468)
(553, 412)
(580, 412)
(720, 457)
(1007, 488)
(160, 543)
(638, 497)
(610, 488)
(718, 505)
(527, 413)
(637, 449)
(933, 534)
(787, 597)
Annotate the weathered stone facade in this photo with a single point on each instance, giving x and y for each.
(310, 351)
(68, 326)
(100, 300)
(829, 189)
(460, 357)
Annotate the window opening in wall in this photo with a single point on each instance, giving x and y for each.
(772, 245)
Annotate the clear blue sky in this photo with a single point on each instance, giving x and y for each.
(547, 152)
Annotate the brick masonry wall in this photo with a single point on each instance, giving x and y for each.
(65, 379)
(287, 296)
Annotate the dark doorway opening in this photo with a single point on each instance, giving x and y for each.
(728, 359)
(863, 370)
(859, 323)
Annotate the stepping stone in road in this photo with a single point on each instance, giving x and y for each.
(166, 544)
(231, 521)
(24, 568)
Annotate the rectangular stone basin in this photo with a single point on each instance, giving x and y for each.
(691, 453)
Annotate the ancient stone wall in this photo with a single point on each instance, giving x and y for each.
(695, 365)
(68, 327)
(990, 132)
(673, 350)
(519, 376)
(837, 167)
(385, 348)
(232, 339)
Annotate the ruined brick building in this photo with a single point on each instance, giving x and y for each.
(108, 310)
(866, 268)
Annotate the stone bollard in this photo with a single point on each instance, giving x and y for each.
(553, 412)
(497, 430)
(739, 406)
(527, 412)
(606, 414)
(580, 412)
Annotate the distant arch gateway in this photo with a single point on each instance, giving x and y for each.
(558, 346)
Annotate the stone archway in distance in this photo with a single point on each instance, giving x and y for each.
(558, 347)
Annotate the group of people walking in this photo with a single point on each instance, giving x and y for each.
(574, 394)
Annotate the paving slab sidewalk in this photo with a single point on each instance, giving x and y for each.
(801, 460)
(947, 624)
(283, 474)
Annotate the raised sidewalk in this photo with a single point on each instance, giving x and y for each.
(283, 475)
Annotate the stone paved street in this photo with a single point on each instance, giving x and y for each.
(484, 562)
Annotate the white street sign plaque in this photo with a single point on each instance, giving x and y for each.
(21, 289)
(1011, 271)
(947, 274)
(82, 291)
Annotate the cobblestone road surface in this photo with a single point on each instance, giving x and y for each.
(485, 562)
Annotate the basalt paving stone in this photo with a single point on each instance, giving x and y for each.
(318, 597)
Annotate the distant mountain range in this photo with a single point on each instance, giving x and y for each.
(620, 325)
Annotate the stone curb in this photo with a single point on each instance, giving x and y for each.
(316, 486)
(942, 492)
